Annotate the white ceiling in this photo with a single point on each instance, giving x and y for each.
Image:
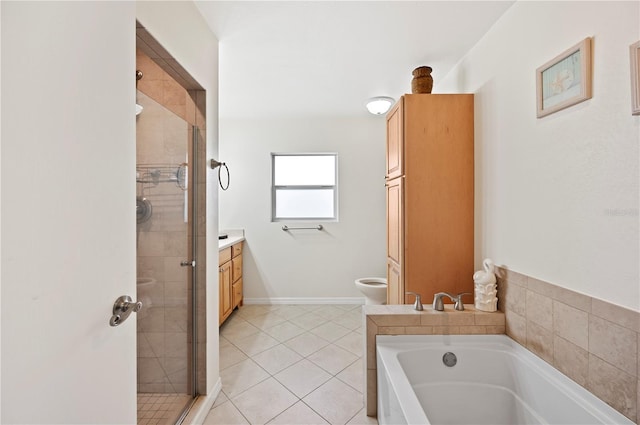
(296, 58)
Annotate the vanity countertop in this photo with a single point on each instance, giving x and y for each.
(235, 236)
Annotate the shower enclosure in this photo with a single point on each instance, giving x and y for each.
(171, 234)
(166, 252)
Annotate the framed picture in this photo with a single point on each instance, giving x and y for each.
(635, 78)
(565, 80)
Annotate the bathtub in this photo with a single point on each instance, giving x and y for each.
(494, 381)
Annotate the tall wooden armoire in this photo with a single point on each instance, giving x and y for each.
(429, 182)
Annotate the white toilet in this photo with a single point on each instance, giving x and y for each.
(374, 289)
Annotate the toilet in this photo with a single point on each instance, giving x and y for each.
(374, 289)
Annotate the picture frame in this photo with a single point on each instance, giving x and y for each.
(565, 80)
(634, 55)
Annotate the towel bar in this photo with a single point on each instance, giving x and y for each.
(287, 228)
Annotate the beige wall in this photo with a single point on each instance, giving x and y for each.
(304, 265)
(557, 198)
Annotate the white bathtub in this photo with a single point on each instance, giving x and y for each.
(495, 381)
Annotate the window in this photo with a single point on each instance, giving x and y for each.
(304, 186)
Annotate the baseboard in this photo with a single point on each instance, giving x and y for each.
(202, 406)
(305, 300)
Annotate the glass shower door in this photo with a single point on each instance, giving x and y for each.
(164, 206)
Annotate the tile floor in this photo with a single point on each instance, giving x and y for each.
(160, 409)
(291, 364)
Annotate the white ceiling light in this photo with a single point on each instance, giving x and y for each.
(379, 105)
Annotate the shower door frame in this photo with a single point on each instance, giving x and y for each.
(197, 187)
(192, 189)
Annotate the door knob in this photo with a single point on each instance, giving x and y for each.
(122, 308)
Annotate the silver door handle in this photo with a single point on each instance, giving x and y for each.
(122, 308)
(191, 263)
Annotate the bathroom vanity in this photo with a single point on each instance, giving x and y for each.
(230, 275)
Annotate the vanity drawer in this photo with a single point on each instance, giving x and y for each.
(224, 256)
(236, 249)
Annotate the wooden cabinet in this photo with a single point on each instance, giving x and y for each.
(230, 280)
(430, 196)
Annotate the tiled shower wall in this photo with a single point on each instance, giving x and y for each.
(164, 137)
(593, 342)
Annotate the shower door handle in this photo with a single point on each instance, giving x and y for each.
(122, 308)
(191, 263)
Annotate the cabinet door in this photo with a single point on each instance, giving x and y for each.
(395, 241)
(395, 141)
(395, 283)
(225, 291)
(237, 293)
(395, 219)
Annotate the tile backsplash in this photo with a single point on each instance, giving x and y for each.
(593, 342)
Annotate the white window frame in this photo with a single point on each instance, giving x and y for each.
(275, 188)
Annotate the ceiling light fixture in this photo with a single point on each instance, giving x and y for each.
(379, 105)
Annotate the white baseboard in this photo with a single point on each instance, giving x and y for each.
(202, 406)
(305, 300)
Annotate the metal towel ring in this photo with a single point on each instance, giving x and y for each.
(214, 165)
(228, 177)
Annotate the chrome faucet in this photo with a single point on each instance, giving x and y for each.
(457, 300)
(418, 303)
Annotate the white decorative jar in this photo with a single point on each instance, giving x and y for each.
(485, 288)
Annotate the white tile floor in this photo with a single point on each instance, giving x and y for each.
(291, 364)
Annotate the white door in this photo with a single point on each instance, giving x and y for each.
(68, 211)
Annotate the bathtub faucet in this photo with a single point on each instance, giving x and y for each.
(418, 304)
(457, 300)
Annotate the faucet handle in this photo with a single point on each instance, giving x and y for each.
(418, 303)
(458, 305)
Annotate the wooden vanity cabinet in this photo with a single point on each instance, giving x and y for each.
(230, 280)
(429, 182)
